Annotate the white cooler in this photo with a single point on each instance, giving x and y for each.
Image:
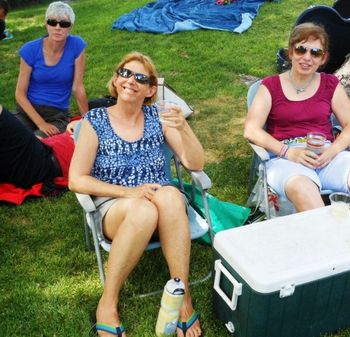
(284, 277)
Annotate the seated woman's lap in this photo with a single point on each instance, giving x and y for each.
(335, 176)
(168, 197)
(113, 211)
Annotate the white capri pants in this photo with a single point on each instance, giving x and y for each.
(334, 176)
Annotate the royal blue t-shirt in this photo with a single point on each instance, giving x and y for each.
(51, 85)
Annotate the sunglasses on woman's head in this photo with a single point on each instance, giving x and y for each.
(62, 24)
(302, 50)
(140, 78)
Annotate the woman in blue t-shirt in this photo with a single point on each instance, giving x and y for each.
(51, 68)
(119, 160)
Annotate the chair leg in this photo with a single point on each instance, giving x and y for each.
(87, 234)
(207, 215)
(252, 173)
(266, 195)
(98, 252)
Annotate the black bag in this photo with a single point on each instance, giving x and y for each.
(282, 60)
(101, 102)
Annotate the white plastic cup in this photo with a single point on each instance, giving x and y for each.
(340, 204)
(164, 106)
(315, 142)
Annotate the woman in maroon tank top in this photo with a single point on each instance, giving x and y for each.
(290, 105)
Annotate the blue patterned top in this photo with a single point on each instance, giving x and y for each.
(126, 163)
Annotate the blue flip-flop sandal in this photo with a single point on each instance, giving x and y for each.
(185, 325)
(114, 330)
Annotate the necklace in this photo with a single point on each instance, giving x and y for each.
(300, 89)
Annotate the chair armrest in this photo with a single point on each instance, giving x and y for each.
(260, 151)
(200, 179)
(86, 202)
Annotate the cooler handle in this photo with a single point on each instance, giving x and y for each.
(237, 287)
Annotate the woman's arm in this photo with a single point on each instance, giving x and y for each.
(255, 133)
(182, 140)
(21, 97)
(78, 86)
(82, 162)
(256, 119)
(341, 109)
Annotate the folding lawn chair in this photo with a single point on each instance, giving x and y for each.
(199, 225)
(262, 197)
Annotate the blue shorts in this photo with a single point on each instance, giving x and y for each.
(334, 176)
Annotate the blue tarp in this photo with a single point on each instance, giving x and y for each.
(171, 16)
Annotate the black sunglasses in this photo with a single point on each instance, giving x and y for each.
(140, 78)
(302, 50)
(62, 24)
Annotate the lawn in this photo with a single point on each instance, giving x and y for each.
(49, 282)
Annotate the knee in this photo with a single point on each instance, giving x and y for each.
(142, 213)
(294, 185)
(169, 196)
(301, 187)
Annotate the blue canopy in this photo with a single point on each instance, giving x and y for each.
(171, 16)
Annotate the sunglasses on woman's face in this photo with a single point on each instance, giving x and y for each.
(302, 50)
(62, 24)
(140, 78)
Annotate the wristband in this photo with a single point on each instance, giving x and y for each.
(283, 151)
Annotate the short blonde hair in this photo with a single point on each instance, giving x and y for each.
(59, 9)
(147, 63)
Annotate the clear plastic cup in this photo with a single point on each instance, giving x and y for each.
(315, 142)
(340, 204)
(164, 106)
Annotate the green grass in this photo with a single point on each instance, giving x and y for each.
(49, 283)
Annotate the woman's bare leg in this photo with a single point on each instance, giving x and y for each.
(303, 193)
(174, 234)
(129, 223)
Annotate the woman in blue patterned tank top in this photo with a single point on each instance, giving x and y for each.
(119, 160)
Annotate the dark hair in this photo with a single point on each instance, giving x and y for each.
(306, 30)
(5, 6)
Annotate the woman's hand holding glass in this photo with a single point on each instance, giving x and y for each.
(303, 156)
(170, 114)
(327, 155)
(311, 159)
